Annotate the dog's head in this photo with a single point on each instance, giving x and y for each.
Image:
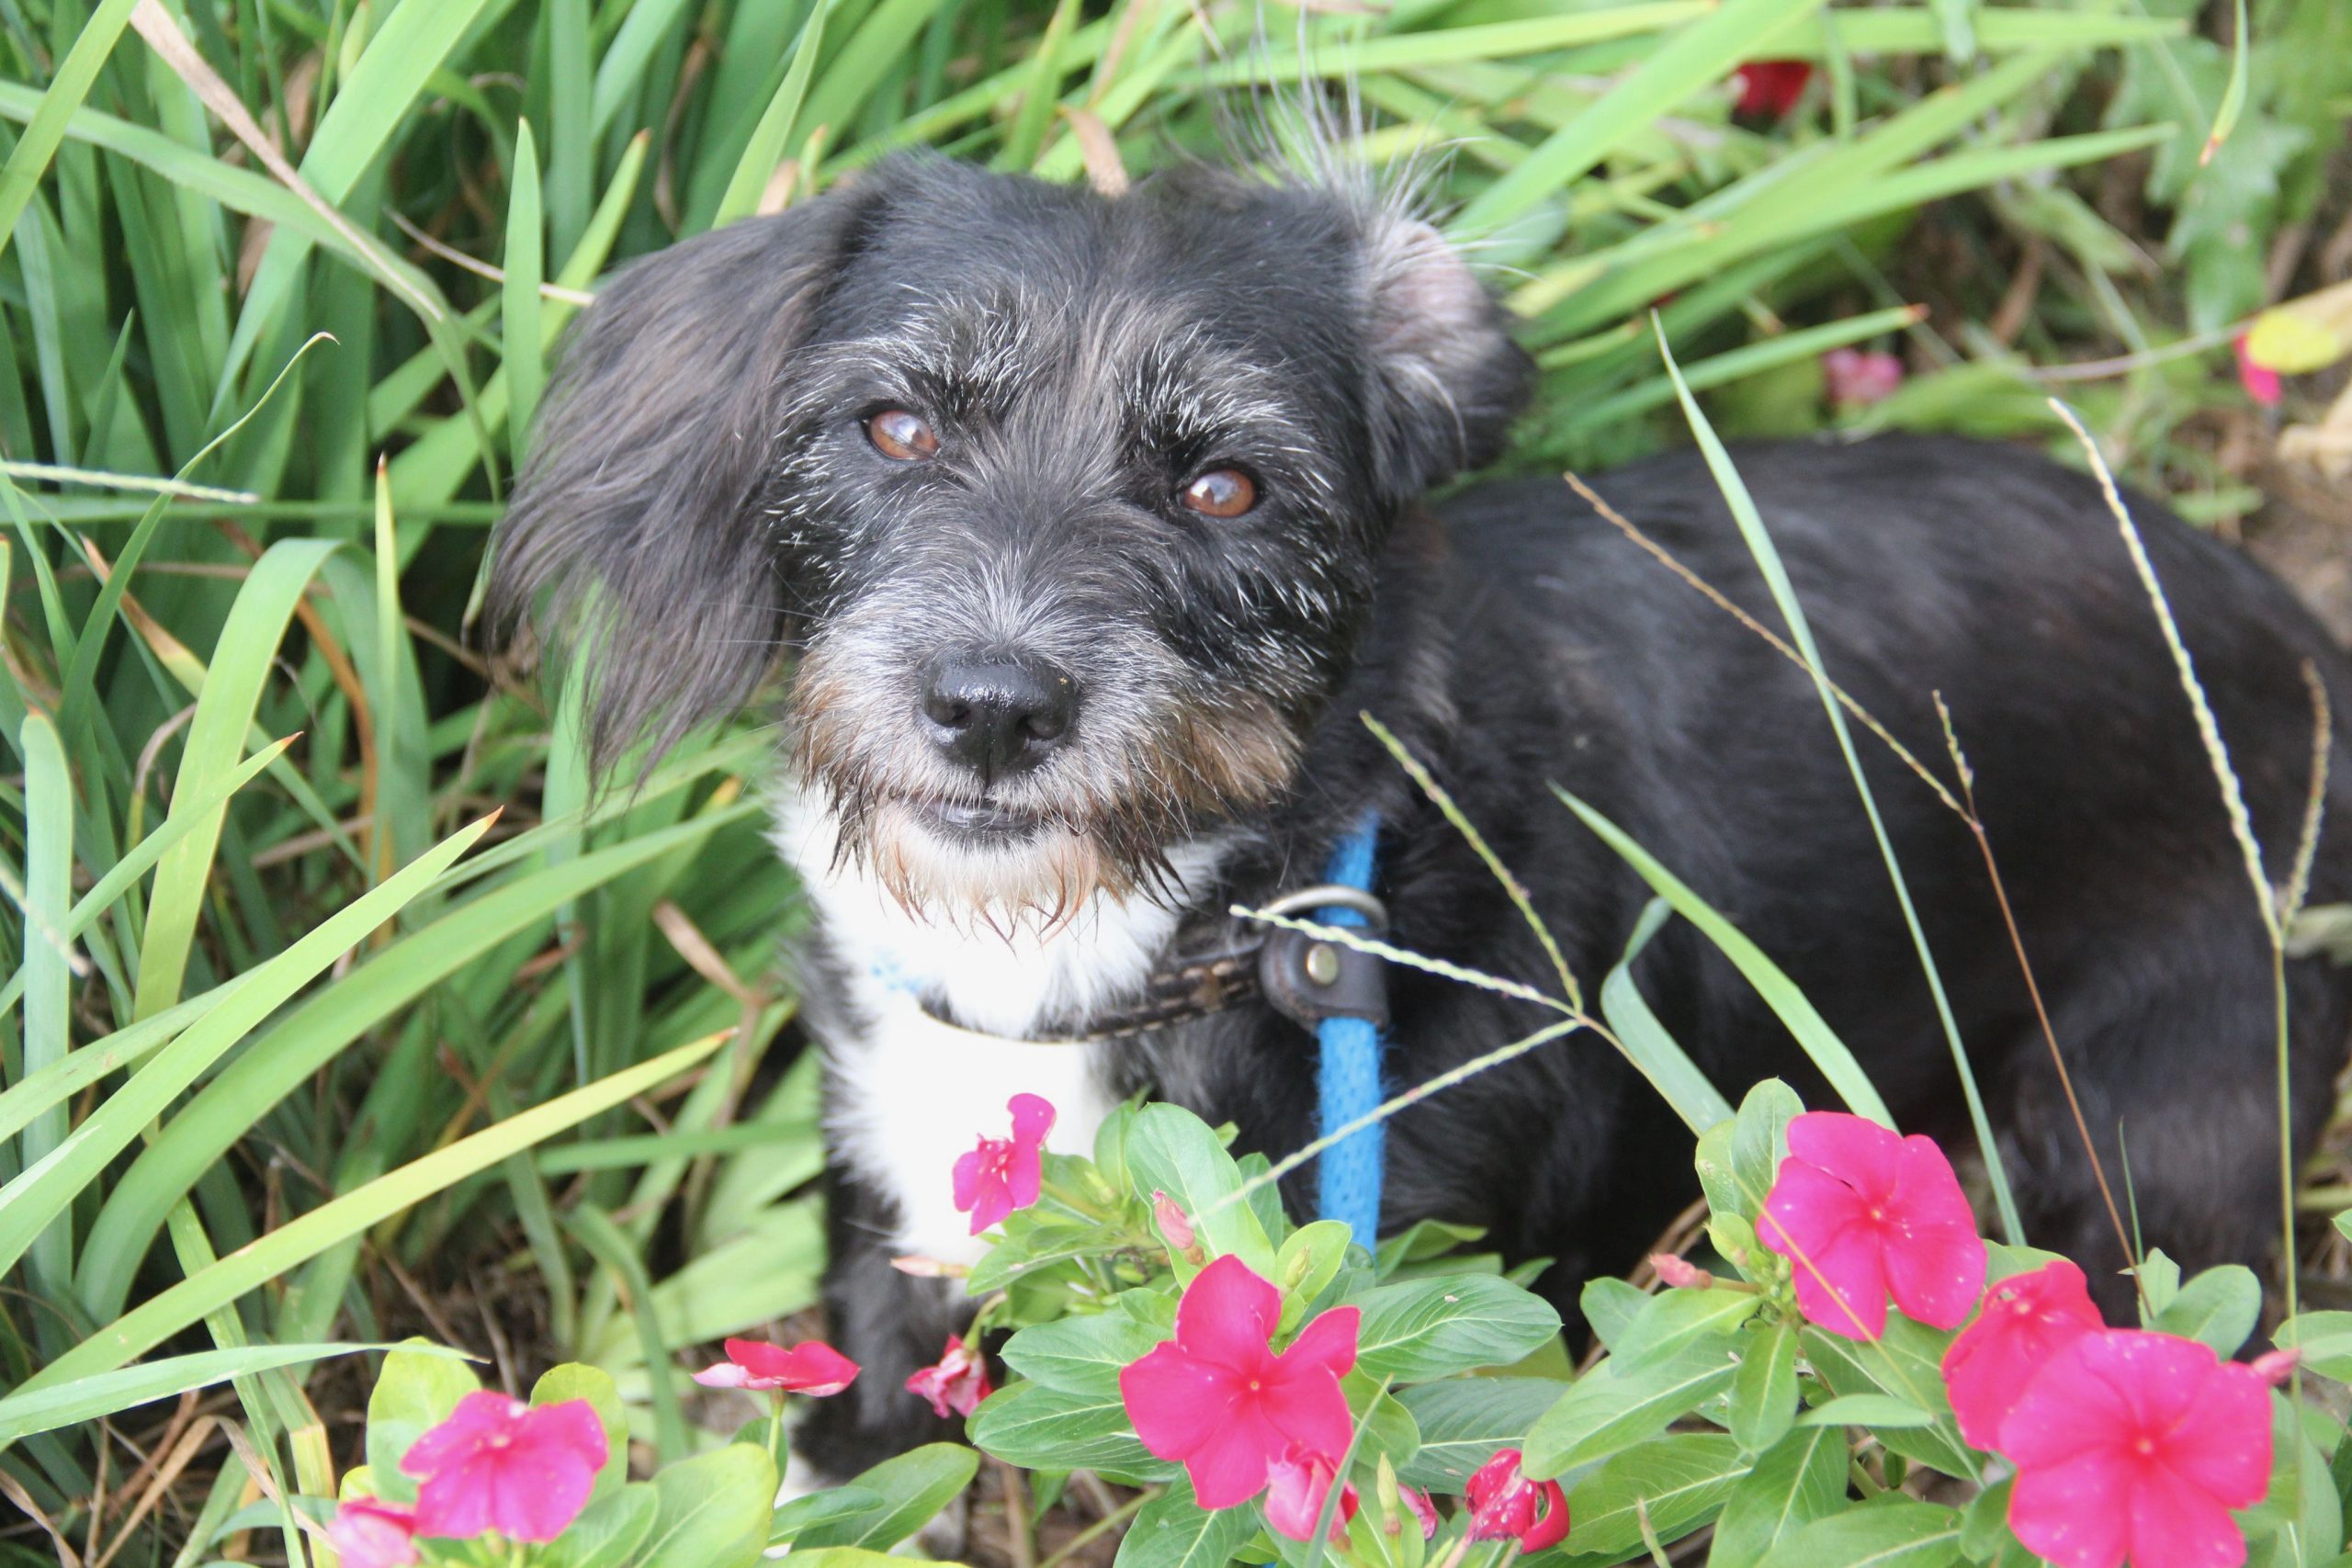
(1069, 507)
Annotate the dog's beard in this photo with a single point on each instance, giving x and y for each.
(1099, 820)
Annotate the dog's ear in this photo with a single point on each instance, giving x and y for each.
(1448, 380)
(634, 540)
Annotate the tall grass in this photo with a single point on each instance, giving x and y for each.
(342, 1004)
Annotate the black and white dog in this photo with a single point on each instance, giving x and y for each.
(1085, 529)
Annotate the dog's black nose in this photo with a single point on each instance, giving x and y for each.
(998, 716)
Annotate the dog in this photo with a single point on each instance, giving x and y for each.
(1086, 528)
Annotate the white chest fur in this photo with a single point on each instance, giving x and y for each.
(911, 1093)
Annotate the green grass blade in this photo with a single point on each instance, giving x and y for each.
(526, 270)
(46, 127)
(111, 1394)
(1701, 54)
(153, 1322)
(1829, 1053)
(1784, 597)
(1657, 1054)
(241, 661)
(774, 133)
(49, 961)
(43, 1191)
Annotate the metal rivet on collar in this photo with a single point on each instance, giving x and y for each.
(1323, 963)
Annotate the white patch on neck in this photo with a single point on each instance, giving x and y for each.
(913, 1092)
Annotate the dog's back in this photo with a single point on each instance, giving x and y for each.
(2001, 582)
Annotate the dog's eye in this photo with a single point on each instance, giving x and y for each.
(1222, 493)
(900, 436)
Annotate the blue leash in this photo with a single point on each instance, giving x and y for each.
(1348, 1074)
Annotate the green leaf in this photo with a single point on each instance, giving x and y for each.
(1907, 1364)
(1902, 1534)
(1038, 1428)
(914, 1486)
(712, 1511)
(1764, 1391)
(1610, 1305)
(1877, 1410)
(610, 1532)
(1800, 1479)
(414, 1392)
(1677, 1482)
(1309, 1260)
(2219, 1307)
(1606, 1410)
(1174, 1531)
(1673, 1318)
(574, 1381)
(1416, 1330)
(1085, 1355)
(2326, 1340)
(1463, 1420)
(846, 1501)
(1172, 1151)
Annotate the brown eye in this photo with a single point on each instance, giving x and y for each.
(1222, 493)
(900, 436)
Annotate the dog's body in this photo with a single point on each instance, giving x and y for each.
(971, 445)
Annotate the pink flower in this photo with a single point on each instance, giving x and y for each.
(811, 1367)
(2026, 1319)
(1423, 1510)
(498, 1464)
(1173, 1224)
(1296, 1486)
(2277, 1367)
(2261, 382)
(1005, 1174)
(1506, 1505)
(957, 1383)
(368, 1532)
(1220, 1400)
(1861, 1212)
(1768, 89)
(1855, 378)
(1677, 1273)
(2132, 1444)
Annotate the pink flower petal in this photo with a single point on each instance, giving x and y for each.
(1226, 1315)
(1032, 1118)
(1230, 1467)
(477, 1417)
(2232, 1415)
(725, 1374)
(1329, 1342)
(1860, 1152)
(2261, 382)
(1297, 1483)
(369, 1533)
(1175, 1402)
(1841, 1285)
(2182, 1527)
(2027, 1319)
(2076, 1513)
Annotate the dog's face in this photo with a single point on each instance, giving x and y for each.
(1069, 507)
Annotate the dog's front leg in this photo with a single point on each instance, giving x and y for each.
(891, 1324)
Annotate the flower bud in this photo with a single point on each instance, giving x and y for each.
(1680, 1273)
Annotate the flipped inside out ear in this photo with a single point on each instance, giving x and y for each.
(1448, 379)
(635, 541)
